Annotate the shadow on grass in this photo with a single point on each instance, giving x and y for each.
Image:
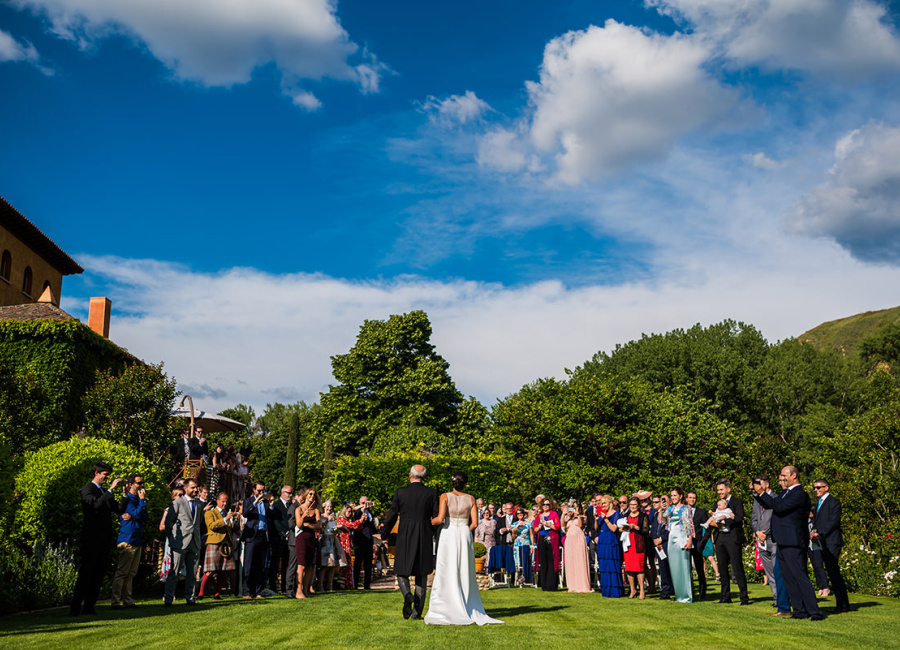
(510, 612)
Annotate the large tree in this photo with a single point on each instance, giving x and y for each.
(593, 433)
(395, 393)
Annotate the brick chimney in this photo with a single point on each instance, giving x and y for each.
(98, 316)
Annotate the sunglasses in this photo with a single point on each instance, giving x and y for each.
(819, 487)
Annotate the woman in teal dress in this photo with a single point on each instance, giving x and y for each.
(681, 534)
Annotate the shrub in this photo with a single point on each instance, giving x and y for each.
(480, 549)
(48, 487)
(35, 576)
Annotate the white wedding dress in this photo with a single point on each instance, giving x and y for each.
(454, 594)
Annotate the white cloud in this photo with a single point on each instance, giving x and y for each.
(858, 205)
(259, 338)
(221, 42)
(12, 50)
(613, 96)
(306, 100)
(832, 38)
(762, 161)
(456, 109)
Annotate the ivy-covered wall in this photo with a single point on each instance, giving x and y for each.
(45, 369)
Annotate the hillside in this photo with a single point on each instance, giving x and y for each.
(846, 333)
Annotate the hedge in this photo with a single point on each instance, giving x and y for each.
(49, 485)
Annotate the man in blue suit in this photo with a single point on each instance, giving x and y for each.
(790, 531)
(827, 531)
(260, 525)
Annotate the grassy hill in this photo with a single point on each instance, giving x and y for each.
(845, 334)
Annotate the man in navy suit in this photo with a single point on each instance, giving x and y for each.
(790, 531)
(728, 541)
(97, 508)
(701, 535)
(260, 525)
(827, 531)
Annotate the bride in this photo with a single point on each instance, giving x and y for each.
(454, 595)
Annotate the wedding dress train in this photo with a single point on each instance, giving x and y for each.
(455, 599)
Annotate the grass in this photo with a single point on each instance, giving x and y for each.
(534, 619)
(845, 334)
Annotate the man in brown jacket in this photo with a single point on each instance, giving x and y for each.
(219, 558)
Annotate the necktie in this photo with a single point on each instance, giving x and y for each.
(193, 509)
(819, 505)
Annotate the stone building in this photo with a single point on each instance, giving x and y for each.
(30, 263)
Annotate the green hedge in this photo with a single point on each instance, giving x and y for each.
(49, 485)
(377, 477)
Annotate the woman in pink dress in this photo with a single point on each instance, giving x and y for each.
(576, 554)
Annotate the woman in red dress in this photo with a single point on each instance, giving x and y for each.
(638, 526)
(344, 526)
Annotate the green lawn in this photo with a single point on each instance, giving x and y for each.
(533, 619)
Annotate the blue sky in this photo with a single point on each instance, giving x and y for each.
(248, 181)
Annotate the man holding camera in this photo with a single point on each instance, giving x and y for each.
(133, 507)
(363, 542)
(218, 559)
(257, 529)
(97, 504)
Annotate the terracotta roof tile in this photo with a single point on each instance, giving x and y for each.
(34, 311)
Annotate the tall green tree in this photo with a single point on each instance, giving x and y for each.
(598, 433)
(134, 408)
(395, 393)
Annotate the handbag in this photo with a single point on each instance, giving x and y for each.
(226, 549)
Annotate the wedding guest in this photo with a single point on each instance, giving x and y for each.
(609, 551)
(479, 505)
(257, 529)
(133, 509)
(659, 536)
(505, 520)
(166, 564)
(701, 537)
(308, 518)
(278, 551)
(486, 532)
(729, 538)
(363, 542)
(218, 559)
(345, 527)
(623, 506)
(650, 571)
(681, 533)
(828, 532)
(637, 527)
(546, 526)
(522, 544)
(761, 519)
(184, 528)
(578, 578)
(329, 548)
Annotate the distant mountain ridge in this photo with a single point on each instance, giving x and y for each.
(845, 334)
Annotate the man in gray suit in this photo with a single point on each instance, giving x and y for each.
(762, 530)
(185, 531)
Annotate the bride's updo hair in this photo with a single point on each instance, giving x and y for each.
(458, 480)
